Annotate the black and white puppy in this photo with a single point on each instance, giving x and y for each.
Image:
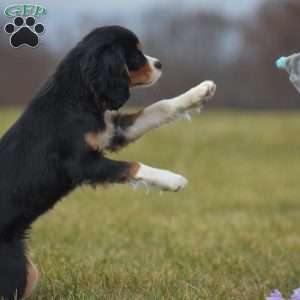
(59, 141)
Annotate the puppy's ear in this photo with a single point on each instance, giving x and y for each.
(105, 73)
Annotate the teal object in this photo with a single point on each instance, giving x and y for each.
(281, 63)
(291, 64)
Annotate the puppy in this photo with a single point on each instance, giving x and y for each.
(60, 140)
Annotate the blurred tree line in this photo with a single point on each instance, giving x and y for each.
(238, 54)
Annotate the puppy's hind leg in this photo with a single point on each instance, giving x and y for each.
(12, 270)
(31, 279)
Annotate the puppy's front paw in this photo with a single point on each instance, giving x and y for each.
(162, 179)
(172, 182)
(195, 98)
(200, 94)
(209, 88)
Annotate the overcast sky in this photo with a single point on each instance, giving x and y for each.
(67, 13)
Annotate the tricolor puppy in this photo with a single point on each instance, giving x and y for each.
(61, 139)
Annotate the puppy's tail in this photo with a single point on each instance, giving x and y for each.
(12, 270)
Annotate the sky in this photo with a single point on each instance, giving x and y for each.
(67, 14)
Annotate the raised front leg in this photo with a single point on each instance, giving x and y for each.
(104, 170)
(162, 179)
(122, 129)
(129, 128)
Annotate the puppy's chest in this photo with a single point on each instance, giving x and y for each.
(100, 139)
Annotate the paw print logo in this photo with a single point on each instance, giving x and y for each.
(24, 32)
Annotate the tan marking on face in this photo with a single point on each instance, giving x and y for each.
(32, 278)
(141, 76)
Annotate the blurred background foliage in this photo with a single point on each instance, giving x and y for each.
(236, 49)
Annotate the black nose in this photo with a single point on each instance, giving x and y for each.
(158, 65)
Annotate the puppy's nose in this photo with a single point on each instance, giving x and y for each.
(158, 65)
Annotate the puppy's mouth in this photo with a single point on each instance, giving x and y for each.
(146, 84)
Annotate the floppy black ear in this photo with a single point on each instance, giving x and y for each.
(105, 73)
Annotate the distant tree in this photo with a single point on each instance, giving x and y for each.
(23, 70)
(193, 46)
(238, 54)
(190, 47)
(273, 33)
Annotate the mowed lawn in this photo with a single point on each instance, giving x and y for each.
(234, 233)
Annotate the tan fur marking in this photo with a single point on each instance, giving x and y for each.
(139, 46)
(93, 141)
(141, 76)
(32, 278)
(134, 169)
(99, 141)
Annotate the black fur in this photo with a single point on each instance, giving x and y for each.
(44, 156)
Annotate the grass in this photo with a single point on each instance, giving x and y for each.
(232, 234)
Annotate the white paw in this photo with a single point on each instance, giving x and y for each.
(162, 179)
(171, 182)
(195, 98)
(200, 94)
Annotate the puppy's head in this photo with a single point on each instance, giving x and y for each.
(112, 62)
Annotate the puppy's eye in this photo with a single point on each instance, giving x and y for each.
(136, 61)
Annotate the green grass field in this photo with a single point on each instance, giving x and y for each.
(232, 234)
